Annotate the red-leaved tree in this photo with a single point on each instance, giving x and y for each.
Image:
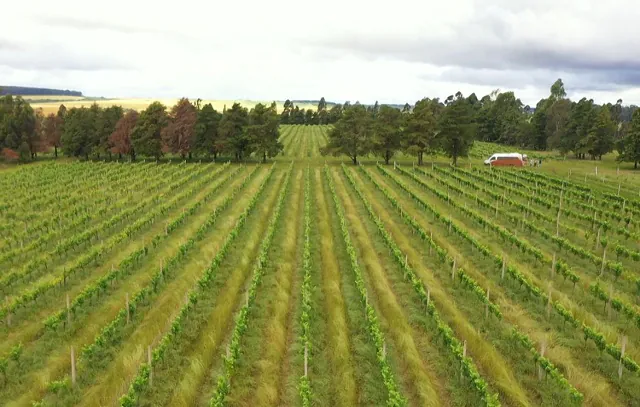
(52, 131)
(178, 136)
(120, 139)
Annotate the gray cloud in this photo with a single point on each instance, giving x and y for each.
(52, 58)
(491, 48)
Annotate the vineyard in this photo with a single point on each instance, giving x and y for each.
(308, 281)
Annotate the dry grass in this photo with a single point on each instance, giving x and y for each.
(424, 384)
(493, 365)
(596, 389)
(206, 350)
(269, 365)
(157, 320)
(343, 376)
(142, 103)
(58, 363)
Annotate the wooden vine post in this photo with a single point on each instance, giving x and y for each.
(306, 359)
(542, 349)
(128, 310)
(68, 311)
(453, 270)
(604, 261)
(73, 366)
(150, 366)
(624, 347)
(486, 306)
(549, 303)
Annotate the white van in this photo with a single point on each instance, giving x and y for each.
(506, 159)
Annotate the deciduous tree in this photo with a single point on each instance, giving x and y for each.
(120, 139)
(52, 131)
(178, 135)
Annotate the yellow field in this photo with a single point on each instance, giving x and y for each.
(37, 98)
(138, 104)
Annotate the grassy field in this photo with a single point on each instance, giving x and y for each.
(310, 281)
(50, 104)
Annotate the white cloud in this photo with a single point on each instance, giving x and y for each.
(344, 50)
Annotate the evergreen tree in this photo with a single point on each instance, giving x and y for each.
(387, 132)
(351, 134)
(630, 150)
(457, 127)
(146, 136)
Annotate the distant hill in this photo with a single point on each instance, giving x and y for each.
(26, 91)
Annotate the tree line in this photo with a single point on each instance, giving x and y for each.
(432, 126)
(24, 90)
(186, 129)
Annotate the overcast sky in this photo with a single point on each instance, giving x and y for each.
(366, 50)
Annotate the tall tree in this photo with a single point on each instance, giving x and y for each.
(105, 126)
(232, 131)
(387, 132)
(557, 90)
(120, 139)
(322, 111)
(630, 150)
(285, 116)
(557, 120)
(580, 122)
(263, 132)
(457, 127)
(95, 136)
(421, 128)
(207, 138)
(600, 139)
(52, 131)
(79, 125)
(178, 135)
(334, 113)
(352, 134)
(146, 137)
